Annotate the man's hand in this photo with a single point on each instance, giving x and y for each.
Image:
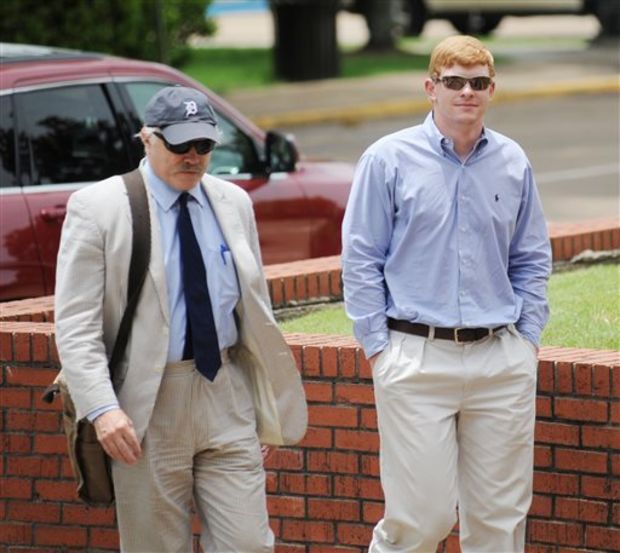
(373, 359)
(116, 434)
(266, 451)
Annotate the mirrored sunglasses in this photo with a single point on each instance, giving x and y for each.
(202, 147)
(454, 82)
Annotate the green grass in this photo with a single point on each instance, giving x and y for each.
(327, 320)
(585, 311)
(226, 69)
(364, 64)
(585, 308)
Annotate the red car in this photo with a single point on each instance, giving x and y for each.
(68, 118)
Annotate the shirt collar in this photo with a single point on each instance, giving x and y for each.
(164, 194)
(440, 142)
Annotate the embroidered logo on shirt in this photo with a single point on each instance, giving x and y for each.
(191, 108)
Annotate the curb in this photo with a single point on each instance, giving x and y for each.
(379, 110)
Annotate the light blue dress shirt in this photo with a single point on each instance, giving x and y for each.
(432, 239)
(221, 274)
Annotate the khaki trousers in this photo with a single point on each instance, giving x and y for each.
(200, 448)
(457, 427)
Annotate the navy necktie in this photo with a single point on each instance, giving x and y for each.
(201, 336)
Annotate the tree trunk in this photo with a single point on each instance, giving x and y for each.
(306, 45)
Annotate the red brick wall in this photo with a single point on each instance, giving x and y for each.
(324, 495)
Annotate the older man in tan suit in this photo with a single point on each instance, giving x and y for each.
(207, 376)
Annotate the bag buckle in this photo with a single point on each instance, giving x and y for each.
(50, 392)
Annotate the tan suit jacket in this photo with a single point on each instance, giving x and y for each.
(91, 294)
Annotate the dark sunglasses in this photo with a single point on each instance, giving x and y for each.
(454, 82)
(202, 147)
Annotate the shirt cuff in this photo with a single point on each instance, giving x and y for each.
(100, 411)
(530, 332)
(374, 343)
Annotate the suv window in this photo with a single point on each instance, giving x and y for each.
(235, 154)
(7, 143)
(141, 93)
(70, 135)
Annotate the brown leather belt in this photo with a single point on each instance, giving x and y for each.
(458, 335)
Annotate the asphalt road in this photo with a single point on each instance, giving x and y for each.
(573, 143)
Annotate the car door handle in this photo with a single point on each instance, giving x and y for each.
(52, 214)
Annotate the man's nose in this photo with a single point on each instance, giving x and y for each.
(192, 153)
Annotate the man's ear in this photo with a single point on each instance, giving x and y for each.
(429, 88)
(144, 136)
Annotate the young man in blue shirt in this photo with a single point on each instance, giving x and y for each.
(445, 264)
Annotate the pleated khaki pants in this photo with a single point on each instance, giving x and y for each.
(200, 448)
(457, 427)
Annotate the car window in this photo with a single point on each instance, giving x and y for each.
(236, 154)
(141, 93)
(7, 143)
(70, 135)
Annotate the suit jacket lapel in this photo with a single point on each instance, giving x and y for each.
(228, 218)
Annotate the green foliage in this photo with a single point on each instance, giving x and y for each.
(143, 29)
(585, 311)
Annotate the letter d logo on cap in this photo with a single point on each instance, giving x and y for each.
(190, 108)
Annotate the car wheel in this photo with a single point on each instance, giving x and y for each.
(475, 23)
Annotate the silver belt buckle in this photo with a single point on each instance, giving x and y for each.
(456, 335)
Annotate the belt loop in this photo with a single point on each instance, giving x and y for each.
(431, 333)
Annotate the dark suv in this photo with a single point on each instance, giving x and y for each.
(69, 118)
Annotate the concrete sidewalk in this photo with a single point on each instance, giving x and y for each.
(530, 70)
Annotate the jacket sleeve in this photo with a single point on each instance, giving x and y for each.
(80, 282)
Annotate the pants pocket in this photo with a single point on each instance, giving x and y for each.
(403, 361)
(518, 349)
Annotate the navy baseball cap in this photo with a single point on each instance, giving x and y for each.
(183, 114)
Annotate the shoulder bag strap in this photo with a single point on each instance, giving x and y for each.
(140, 257)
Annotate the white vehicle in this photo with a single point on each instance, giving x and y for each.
(483, 16)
